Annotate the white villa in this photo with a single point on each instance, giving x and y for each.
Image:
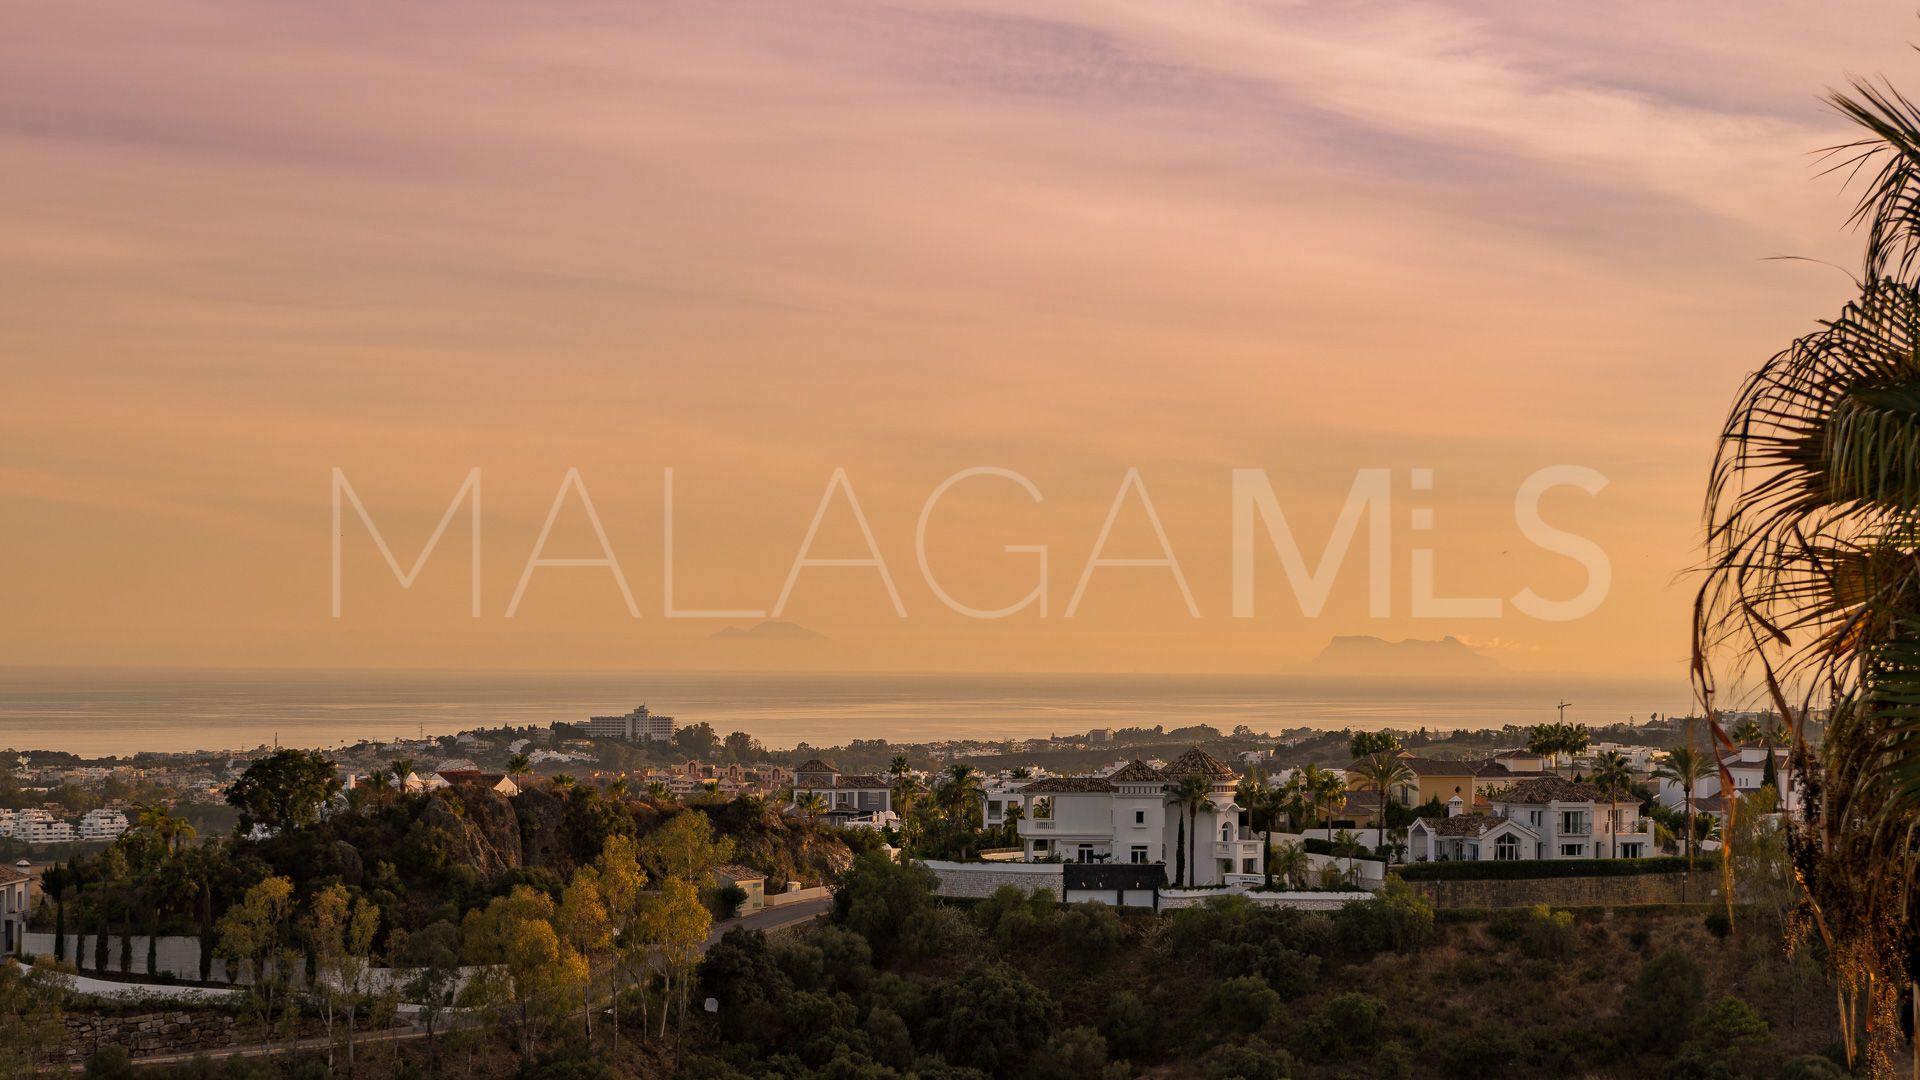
(1127, 817)
(1543, 818)
(850, 798)
(1748, 767)
(16, 896)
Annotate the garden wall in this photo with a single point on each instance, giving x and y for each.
(1617, 891)
(981, 879)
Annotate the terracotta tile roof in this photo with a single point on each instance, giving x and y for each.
(1068, 785)
(1360, 804)
(1135, 772)
(1197, 762)
(1546, 789)
(862, 781)
(11, 875)
(814, 765)
(1494, 770)
(736, 872)
(1425, 766)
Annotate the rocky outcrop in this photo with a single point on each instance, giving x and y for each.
(482, 829)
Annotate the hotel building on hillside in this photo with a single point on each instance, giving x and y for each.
(1128, 817)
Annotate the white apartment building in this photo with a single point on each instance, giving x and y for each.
(1543, 818)
(640, 725)
(40, 827)
(102, 825)
(1128, 816)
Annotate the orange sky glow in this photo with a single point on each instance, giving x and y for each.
(246, 245)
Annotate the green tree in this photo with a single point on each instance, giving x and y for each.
(1368, 743)
(678, 924)
(431, 956)
(284, 790)
(685, 848)
(1190, 793)
(339, 930)
(519, 765)
(254, 935)
(697, 741)
(31, 1006)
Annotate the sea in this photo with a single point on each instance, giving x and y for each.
(94, 712)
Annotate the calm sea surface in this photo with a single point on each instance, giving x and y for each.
(120, 712)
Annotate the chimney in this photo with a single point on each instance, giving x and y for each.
(1455, 807)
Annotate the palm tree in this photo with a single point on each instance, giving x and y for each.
(1190, 793)
(1685, 768)
(519, 765)
(402, 768)
(1612, 775)
(1812, 585)
(1382, 773)
(1747, 731)
(1289, 861)
(562, 782)
(1313, 792)
(618, 789)
(906, 791)
(811, 806)
(898, 767)
(659, 792)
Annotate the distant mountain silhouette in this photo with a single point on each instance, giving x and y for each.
(772, 629)
(1363, 654)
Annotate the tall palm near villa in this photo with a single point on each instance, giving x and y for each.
(1748, 731)
(402, 768)
(907, 790)
(898, 767)
(1382, 773)
(1313, 792)
(519, 765)
(1613, 776)
(1190, 793)
(160, 820)
(811, 806)
(1812, 584)
(1686, 769)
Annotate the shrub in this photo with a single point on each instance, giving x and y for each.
(1812, 1067)
(1245, 1003)
(110, 1063)
(1252, 1060)
(1718, 924)
(1352, 1020)
(727, 900)
(1665, 999)
(1394, 918)
(1129, 1026)
(1548, 934)
(1072, 1054)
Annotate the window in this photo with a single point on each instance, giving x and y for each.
(1507, 849)
(993, 808)
(1139, 817)
(1226, 831)
(1572, 851)
(1630, 851)
(1138, 856)
(1533, 818)
(1086, 853)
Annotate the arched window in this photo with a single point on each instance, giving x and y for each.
(1507, 848)
(1226, 830)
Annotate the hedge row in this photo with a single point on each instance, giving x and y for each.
(1519, 869)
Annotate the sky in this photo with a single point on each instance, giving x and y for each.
(1115, 251)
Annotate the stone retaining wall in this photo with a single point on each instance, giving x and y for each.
(1669, 888)
(981, 879)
